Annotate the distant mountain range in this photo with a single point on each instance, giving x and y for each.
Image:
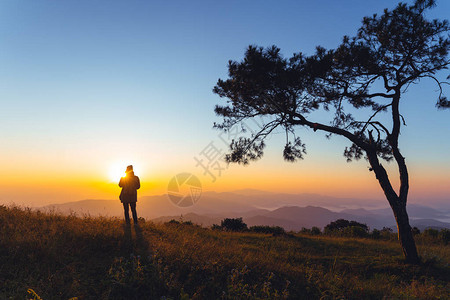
(291, 211)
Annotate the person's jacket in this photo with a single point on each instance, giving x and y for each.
(129, 184)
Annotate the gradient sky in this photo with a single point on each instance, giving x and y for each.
(87, 87)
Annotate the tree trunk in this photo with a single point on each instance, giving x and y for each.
(398, 206)
(405, 235)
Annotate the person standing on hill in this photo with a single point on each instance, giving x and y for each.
(128, 196)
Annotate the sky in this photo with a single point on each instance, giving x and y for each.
(88, 87)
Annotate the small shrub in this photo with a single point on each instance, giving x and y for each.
(233, 224)
(376, 234)
(387, 233)
(305, 230)
(339, 225)
(431, 232)
(444, 236)
(216, 227)
(315, 230)
(355, 231)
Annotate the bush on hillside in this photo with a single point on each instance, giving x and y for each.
(305, 230)
(376, 234)
(355, 231)
(173, 221)
(444, 236)
(216, 227)
(339, 225)
(233, 224)
(315, 230)
(431, 232)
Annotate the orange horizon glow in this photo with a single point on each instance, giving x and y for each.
(351, 182)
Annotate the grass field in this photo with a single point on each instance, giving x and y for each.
(62, 257)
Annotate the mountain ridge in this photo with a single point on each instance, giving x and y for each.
(288, 210)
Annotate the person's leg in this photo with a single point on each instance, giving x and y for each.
(126, 210)
(133, 210)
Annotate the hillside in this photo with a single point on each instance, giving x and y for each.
(60, 257)
(291, 211)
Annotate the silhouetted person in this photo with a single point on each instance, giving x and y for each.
(128, 196)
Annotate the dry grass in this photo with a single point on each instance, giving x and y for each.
(60, 257)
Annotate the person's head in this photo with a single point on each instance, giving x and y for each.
(129, 169)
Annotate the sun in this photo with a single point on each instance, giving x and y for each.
(117, 170)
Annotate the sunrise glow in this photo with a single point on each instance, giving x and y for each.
(116, 171)
(78, 108)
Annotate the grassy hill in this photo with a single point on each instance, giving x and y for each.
(61, 257)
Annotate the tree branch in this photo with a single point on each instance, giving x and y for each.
(376, 112)
(335, 130)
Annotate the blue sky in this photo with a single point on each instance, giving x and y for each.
(85, 83)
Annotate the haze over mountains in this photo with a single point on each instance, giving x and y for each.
(291, 211)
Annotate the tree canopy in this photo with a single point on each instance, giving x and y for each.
(397, 49)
